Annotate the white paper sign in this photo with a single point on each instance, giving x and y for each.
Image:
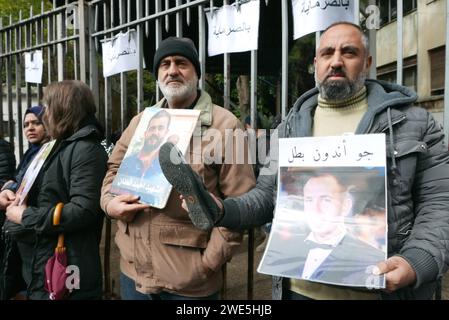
(120, 54)
(233, 30)
(330, 222)
(312, 16)
(33, 66)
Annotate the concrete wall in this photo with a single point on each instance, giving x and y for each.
(387, 40)
(423, 30)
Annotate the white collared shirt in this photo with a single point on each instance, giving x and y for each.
(317, 256)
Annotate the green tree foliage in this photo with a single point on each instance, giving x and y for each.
(8, 7)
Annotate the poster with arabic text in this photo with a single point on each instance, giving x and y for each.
(330, 223)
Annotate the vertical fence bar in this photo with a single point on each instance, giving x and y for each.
(42, 39)
(76, 45)
(49, 48)
(147, 13)
(83, 40)
(357, 12)
(178, 20)
(93, 65)
(28, 39)
(54, 37)
(18, 71)
(400, 42)
(446, 81)
(123, 77)
(39, 40)
(2, 130)
(226, 76)
(317, 45)
(202, 44)
(166, 17)
(59, 46)
(9, 85)
(373, 48)
(284, 74)
(107, 80)
(188, 14)
(253, 112)
(158, 38)
(140, 57)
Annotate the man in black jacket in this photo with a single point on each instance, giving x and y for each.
(417, 162)
(7, 162)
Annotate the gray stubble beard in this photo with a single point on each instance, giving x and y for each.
(340, 89)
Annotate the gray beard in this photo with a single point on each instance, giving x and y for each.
(341, 89)
(180, 92)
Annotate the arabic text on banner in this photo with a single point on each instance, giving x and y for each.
(312, 16)
(120, 54)
(232, 29)
(330, 224)
(33, 66)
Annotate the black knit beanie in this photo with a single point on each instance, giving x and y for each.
(173, 46)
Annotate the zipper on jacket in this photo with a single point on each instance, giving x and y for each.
(405, 231)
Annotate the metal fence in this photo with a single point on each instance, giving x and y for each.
(70, 34)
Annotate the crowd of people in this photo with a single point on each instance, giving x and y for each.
(178, 252)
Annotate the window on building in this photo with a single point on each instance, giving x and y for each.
(388, 9)
(437, 70)
(409, 72)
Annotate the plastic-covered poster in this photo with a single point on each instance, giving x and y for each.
(330, 223)
(140, 172)
(33, 170)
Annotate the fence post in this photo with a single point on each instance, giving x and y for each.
(60, 49)
(93, 66)
(83, 39)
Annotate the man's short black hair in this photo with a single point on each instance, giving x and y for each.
(161, 114)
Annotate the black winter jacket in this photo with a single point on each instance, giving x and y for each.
(7, 162)
(418, 182)
(72, 174)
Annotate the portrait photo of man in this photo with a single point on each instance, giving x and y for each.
(140, 172)
(145, 163)
(317, 244)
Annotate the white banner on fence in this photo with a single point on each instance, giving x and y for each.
(232, 29)
(34, 66)
(312, 16)
(120, 54)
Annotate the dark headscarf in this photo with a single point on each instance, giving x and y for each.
(38, 111)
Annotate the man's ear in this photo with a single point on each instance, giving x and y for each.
(369, 61)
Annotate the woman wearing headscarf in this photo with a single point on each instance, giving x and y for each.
(72, 174)
(35, 133)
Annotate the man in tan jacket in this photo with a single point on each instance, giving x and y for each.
(163, 256)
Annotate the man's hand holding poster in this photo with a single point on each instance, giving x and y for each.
(330, 224)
